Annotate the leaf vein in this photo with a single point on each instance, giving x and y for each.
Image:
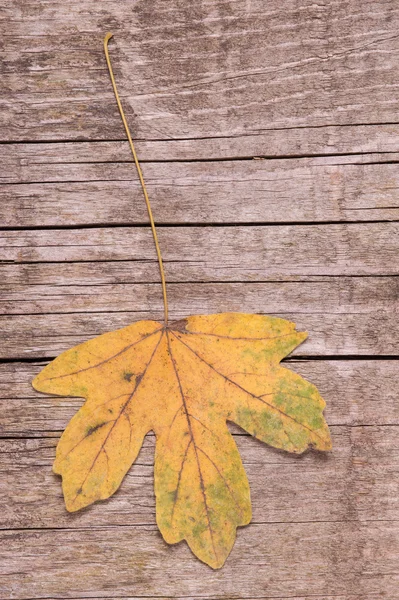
(247, 391)
(125, 349)
(179, 480)
(222, 478)
(137, 385)
(202, 484)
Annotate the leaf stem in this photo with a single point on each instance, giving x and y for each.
(140, 174)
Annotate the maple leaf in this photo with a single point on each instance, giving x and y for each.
(183, 381)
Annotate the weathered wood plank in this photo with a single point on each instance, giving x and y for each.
(327, 308)
(117, 597)
(357, 392)
(342, 315)
(350, 597)
(38, 336)
(222, 69)
(356, 481)
(137, 271)
(283, 559)
(271, 143)
(222, 253)
(332, 295)
(312, 597)
(247, 81)
(21, 164)
(292, 190)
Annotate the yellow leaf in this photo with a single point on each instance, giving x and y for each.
(183, 381)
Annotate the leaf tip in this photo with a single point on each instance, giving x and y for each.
(324, 443)
(217, 564)
(328, 444)
(56, 469)
(303, 335)
(36, 383)
(41, 382)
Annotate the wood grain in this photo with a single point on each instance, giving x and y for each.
(221, 69)
(329, 140)
(106, 190)
(284, 558)
(355, 478)
(354, 391)
(40, 336)
(247, 253)
(344, 315)
(269, 136)
(351, 597)
(331, 295)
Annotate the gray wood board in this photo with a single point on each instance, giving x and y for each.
(101, 191)
(353, 483)
(281, 559)
(329, 140)
(357, 392)
(220, 69)
(39, 336)
(247, 253)
(269, 136)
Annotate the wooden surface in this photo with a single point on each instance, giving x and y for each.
(269, 137)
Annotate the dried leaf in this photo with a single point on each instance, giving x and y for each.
(183, 381)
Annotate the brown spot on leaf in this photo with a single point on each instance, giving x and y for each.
(94, 428)
(180, 326)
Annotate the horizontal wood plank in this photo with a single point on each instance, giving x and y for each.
(331, 295)
(357, 392)
(234, 253)
(45, 192)
(368, 139)
(47, 335)
(283, 559)
(356, 481)
(342, 315)
(350, 597)
(224, 69)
